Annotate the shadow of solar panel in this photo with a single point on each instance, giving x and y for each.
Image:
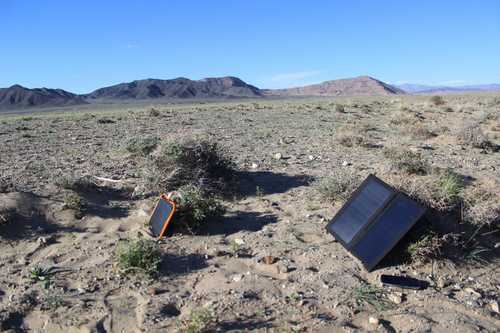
(161, 216)
(385, 232)
(371, 197)
(374, 219)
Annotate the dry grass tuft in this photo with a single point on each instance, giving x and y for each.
(338, 186)
(407, 161)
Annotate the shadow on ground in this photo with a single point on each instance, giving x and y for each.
(234, 222)
(251, 182)
(181, 264)
(245, 324)
(29, 218)
(99, 201)
(463, 244)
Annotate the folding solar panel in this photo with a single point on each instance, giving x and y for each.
(373, 220)
(161, 216)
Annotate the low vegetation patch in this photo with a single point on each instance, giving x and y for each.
(202, 163)
(351, 136)
(141, 255)
(141, 146)
(437, 100)
(194, 208)
(371, 295)
(481, 208)
(407, 161)
(338, 186)
(200, 321)
(75, 202)
(473, 135)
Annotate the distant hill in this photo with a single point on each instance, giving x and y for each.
(427, 89)
(20, 97)
(177, 88)
(362, 85)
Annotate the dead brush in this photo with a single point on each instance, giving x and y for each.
(407, 161)
(481, 208)
(202, 163)
(352, 136)
(338, 186)
(419, 131)
(472, 135)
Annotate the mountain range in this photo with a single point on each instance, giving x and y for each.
(18, 97)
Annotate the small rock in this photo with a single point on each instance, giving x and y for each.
(473, 292)
(282, 268)
(278, 156)
(254, 166)
(345, 163)
(239, 241)
(237, 277)
(373, 320)
(396, 298)
(495, 306)
(311, 158)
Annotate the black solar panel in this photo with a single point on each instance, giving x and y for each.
(388, 228)
(370, 197)
(161, 215)
(373, 220)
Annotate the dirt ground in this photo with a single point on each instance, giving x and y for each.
(281, 147)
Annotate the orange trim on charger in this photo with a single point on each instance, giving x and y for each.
(169, 218)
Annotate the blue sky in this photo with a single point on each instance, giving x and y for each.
(80, 45)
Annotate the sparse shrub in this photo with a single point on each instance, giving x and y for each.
(350, 136)
(481, 207)
(141, 146)
(404, 117)
(71, 182)
(194, 208)
(201, 163)
(75, 202)
(437, 100)
(105, 121)
(199, 321)
(473, 135)
(338, 186)
(141, 255)
(372, 295)
(428, 245)
(52, 302)
(407, 161)
(6, 215)
(440, 190)
(6, 185)
(339, 108)
(419, 132)
(154, 112)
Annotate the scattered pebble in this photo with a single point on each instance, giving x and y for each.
(373, 320)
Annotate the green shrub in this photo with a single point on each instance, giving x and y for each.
(141, 146)
(195, 207)
(199, 321)
(202, 163)
(139, 256)
(75, 202)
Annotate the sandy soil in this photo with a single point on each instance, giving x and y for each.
(313, 283)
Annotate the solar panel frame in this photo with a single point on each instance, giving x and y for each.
(167, 220)
(372, 220)
(400, 232)
(346, 206)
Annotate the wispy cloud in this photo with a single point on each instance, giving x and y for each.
(286, 80)
(132, 45)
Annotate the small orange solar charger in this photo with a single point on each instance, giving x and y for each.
(162, 215)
